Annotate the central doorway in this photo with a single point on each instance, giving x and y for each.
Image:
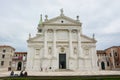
(62, 61)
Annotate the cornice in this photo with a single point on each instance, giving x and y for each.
(59, 24)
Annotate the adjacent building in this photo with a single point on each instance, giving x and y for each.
(60, 44)
(11, 60)
(113, 54)
(19, 61)
(109, 59)
(6, 53)
(103, 60)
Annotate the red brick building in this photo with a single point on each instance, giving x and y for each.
(114, 56)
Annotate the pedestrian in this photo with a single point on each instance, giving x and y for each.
(25, 74)
(41, 69)
(12, 73)
(21, 73)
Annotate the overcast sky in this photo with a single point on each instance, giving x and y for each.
(18, 18)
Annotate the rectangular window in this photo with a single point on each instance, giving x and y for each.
(4, 51)
(2, 63)
(3, 56)
(10, 63)
(115, 53)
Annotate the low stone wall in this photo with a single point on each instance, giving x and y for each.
(3, 69)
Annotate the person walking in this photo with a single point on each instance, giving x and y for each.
(25, 74)
(12, 73)
(21, 73)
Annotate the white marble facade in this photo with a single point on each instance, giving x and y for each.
(60, 44)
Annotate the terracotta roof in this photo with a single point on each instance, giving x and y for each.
(101, 52)
(112, 47)
(4, 46)
(20, 52)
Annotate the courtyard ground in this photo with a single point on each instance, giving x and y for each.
(64, 73)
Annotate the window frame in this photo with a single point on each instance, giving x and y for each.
(3, 56)
(2, 63)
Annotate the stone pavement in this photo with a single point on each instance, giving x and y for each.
(64, 73)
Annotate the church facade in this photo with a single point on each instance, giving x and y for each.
(60, 44)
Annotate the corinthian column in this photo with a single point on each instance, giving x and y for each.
(79, 50)
(45, 44)
(79, 44)
(54, 43)
(70, 43)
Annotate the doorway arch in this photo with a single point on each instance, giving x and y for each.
(19, 66)
(102, 65)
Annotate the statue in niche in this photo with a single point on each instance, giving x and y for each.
(74, 31)
(86, 51)
(75, 50)
(50, 50)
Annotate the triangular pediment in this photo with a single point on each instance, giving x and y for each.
(36, 39)
(85, 38)
(62, 20)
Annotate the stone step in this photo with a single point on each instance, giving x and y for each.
(116, 69)
(62, 70)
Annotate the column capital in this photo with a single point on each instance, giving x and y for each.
(45, 29)
(54, 29)
(70, 30)
(78, 30)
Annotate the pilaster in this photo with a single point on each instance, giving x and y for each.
(79, 50)
(79, 45)
(70, 44)
(45, 43)
(54, 43)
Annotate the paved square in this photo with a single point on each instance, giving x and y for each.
(63, 73)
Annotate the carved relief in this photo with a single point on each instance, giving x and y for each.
(50, 31)
(62, 34)
(86, 50)
(37, 51)
(62, 49)
(74, 31)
